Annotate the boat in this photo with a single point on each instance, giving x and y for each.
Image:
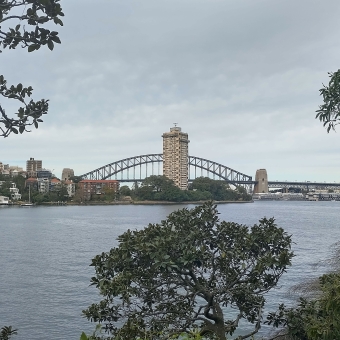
(29, 203)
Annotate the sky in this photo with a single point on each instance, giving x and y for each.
(241, 77)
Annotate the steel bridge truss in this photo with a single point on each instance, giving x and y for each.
(138, 165)
(135, 163)
(222, 172)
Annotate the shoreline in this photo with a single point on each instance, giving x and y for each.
(89, 203)
(154, 202)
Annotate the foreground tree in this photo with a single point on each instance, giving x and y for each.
(188, 272)
(22, 14)
(329, 112)
(313, 319)
(317, 313)
(6, 332)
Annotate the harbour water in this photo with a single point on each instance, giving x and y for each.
(45, 254)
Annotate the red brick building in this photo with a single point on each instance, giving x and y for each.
(89, 187)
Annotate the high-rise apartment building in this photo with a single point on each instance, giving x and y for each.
(175, 156)
(32, 166)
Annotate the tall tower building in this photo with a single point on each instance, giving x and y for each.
(32, 166)
(175, 156)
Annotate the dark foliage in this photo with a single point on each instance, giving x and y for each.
(190, 271)
(6, 333)
(313, 319)
(329, 111)
(160, 188)
(16, 16)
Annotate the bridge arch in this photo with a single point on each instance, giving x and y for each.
(221, 171)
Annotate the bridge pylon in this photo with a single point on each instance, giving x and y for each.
(261, 179)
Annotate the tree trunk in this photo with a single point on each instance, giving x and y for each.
(218, 327)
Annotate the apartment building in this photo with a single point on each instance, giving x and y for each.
(90, 187)
(175, 156)
(32, 166)
(71, 188)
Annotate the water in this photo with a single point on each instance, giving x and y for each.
(45, 254)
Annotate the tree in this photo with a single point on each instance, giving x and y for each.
(160, 188)
(313, 319)
(125, 191)
(203, 184)
(329, 112)
(219, 190)
(6, 332)
(158, 183)
(34, 13)
(187, 272)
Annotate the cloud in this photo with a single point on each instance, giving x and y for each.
(241, 78)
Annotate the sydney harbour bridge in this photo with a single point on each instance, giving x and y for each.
(137, 168)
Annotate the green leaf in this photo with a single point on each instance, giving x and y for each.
(83, 336)
(50, 45)
(31, 48)
(57, 21)
(55, 39)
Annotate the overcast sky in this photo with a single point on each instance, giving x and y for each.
(241, 77)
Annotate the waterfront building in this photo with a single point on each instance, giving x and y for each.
(32, 166)
(43, 185)
(89, 187)
(71, 188)
(14, 192)
(175, 156)
(4, 200)
(31, 182)
(55, 184)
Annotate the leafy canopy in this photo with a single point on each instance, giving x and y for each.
(329, 111)
(6, 332)
(313, 319)
(22, 24)
(190, 271)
